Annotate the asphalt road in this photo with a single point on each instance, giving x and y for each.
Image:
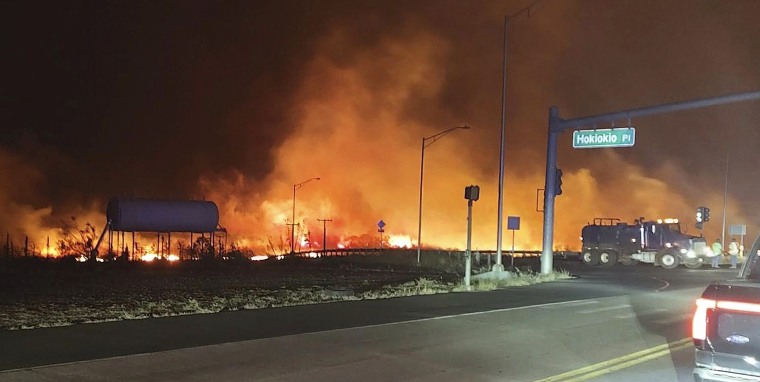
(620, 323)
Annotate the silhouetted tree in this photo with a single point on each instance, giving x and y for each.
(203, 248)
(75, 240)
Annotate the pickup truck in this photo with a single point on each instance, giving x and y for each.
(726, 326)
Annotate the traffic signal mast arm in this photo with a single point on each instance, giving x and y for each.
(573, 123)
(558, 125)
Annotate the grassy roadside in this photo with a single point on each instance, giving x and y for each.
(424, 286)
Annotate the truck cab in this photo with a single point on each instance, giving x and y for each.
(726, 326)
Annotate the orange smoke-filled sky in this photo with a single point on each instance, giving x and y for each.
(236, 103)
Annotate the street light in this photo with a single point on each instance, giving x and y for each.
(498, 267)
(427, 141)
(293, 222)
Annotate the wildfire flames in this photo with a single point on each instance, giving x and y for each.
(356, 119)
(150, 254)
(400, 241)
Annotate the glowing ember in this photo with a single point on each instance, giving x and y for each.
(259, 257)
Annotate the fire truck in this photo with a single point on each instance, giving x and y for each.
(609, 241)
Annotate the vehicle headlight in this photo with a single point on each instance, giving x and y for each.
(683, 251)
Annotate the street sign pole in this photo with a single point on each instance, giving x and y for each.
(513, 224)
(468, 252)
(380, 229)
(513, 251)
(471, 193)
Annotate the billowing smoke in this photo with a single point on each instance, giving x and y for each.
(240, 113)
(20, 217)
(357, 125)
(27, 225)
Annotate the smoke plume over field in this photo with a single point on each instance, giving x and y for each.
(237, 103)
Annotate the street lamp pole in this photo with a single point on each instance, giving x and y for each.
(293, 222)
(498, 267)
(427, 141)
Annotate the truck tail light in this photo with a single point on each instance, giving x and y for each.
(746, 307)
(706, 306)
(699, 323)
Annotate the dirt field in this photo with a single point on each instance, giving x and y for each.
(40, 292)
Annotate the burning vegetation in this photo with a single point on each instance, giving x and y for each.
(350, 104)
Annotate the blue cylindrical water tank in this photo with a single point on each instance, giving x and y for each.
(154, 215)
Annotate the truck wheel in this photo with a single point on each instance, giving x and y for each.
(669, 260)
(608, 258)
(590, 257)
(694, 264)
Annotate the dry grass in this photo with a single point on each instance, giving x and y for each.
(44, 295)
(424, 286)
(518, 278)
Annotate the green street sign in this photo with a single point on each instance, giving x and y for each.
(601, 138)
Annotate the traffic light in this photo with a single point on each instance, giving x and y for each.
(558, 182)
(703, 216)
(472, 193)
(698, 225)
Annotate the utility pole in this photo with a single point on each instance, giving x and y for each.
(293, 221)
(324, 234)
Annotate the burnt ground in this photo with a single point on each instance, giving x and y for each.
(36, 292)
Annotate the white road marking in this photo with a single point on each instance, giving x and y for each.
(604, 309)
(571, 304)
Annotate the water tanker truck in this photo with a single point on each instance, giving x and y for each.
(609, 241)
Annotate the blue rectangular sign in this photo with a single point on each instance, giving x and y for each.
(513, 222)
